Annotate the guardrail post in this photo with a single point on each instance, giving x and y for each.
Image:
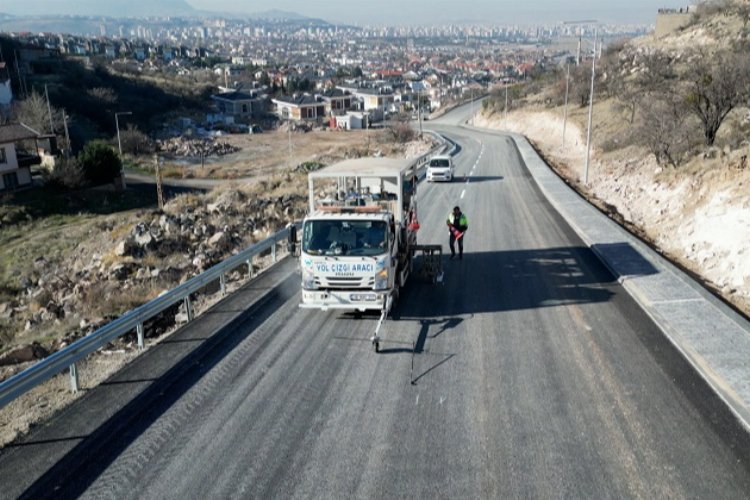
(273, 252)
(249, 267)
(139, 333)
(189, 308)
(73, 378)
(223, 283)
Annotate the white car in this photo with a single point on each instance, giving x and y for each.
(440, 168)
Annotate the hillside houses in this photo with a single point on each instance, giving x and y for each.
(271, 71)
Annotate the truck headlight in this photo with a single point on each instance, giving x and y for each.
(308, 280)
(381, 280)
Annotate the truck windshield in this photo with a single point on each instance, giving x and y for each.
(342, 237)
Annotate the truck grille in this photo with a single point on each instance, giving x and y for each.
(343, 283)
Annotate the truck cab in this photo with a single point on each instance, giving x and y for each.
(358, 238)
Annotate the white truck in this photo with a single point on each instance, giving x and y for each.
(359, 238)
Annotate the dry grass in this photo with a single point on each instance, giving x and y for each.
(266, 154)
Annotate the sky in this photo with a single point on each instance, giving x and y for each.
(446, 11)
(388, 12)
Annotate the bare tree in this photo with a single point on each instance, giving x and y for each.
(742, 9)
(136, 142)
(33, 111)
(580, 84)
(103, 94)
(665, 128)
(709, 8)
(401, 131)
(658, 73)
(715, 86)
(655, 76)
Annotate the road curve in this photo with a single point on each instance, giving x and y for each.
(534, 375)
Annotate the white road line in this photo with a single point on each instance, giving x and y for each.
(463, 193)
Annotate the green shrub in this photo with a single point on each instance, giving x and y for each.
(99, 162)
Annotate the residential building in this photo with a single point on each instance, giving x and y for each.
(300, 107)
(15, 159)
(241, 105)
(337, 101)
(379, 98)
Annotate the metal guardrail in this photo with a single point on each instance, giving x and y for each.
(133, 320)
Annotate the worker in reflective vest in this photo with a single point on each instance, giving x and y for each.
(457, 224)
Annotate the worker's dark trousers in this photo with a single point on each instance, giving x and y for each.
(460, 245)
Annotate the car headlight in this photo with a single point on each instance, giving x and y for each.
(308, 280)
(381, 279)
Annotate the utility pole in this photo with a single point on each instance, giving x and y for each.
(67, 135)
(21, 80)
(289, 136)
(49, 110)
(366, 118)
(119, 146)
(506, 106)
(591, 94)
(471, 90)
(159, 190)
(591, 113)
(419, 110)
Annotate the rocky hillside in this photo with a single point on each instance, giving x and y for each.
(63, 279)
(126, 261)
(653, 166)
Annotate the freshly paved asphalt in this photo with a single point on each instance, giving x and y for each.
(529, 373)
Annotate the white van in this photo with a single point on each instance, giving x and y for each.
(440, 168)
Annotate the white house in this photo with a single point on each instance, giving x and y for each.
(16, 162)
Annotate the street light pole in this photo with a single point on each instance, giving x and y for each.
(117, 125)
(119, 145)
(591, 112)
(565, 112)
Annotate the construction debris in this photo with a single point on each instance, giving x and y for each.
(192, 148)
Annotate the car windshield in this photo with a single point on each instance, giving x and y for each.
(336, 237)
(439, 162)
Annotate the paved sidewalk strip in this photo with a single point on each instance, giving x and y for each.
(713, 337)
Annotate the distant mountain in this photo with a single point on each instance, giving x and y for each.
(110, 8)
(278, 15)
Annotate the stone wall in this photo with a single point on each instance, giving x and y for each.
(669, 21)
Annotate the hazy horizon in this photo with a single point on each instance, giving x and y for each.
(395, 12)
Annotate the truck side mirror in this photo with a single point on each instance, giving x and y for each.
(291, 244)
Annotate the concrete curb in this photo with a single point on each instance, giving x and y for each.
(711, 336)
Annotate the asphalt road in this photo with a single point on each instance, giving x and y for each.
(535, 376)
